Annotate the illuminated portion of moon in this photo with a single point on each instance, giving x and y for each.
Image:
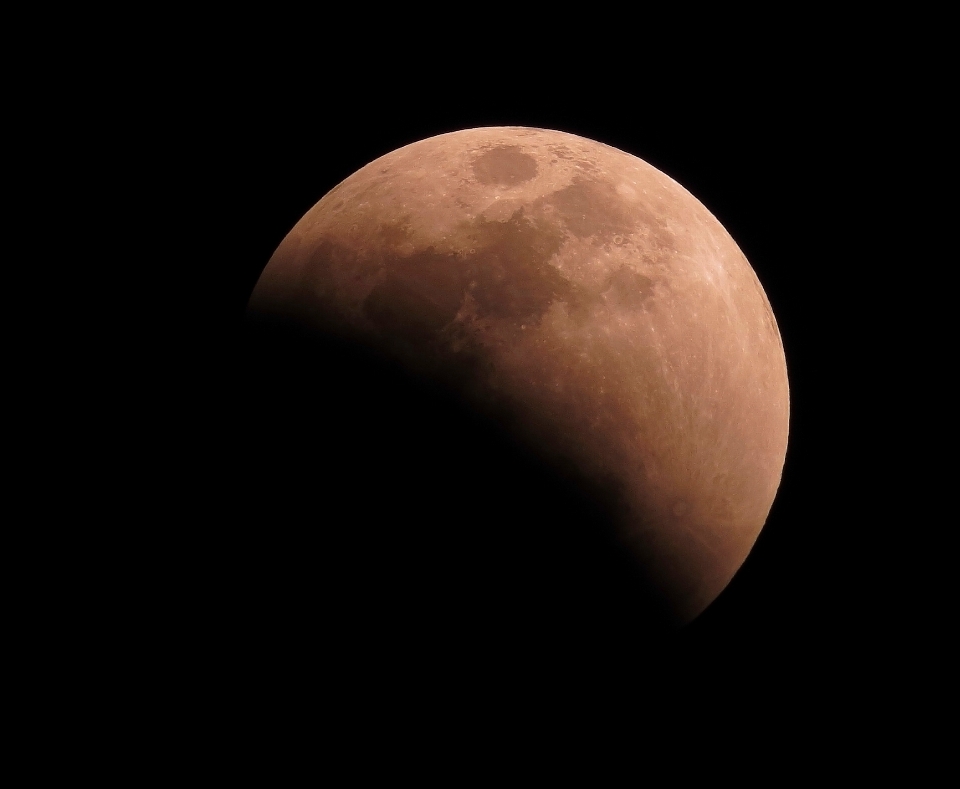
(587, 296)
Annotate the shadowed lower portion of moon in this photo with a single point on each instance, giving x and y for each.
(598, 357)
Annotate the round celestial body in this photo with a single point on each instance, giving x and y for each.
(586, 299)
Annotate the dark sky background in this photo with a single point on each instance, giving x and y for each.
(774, 158)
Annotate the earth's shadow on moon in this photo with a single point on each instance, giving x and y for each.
(399, 536)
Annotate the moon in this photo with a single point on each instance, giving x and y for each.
(589, 304)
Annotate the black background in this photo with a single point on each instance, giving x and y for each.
(258, 615)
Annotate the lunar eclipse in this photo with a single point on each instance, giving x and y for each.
(560, 297)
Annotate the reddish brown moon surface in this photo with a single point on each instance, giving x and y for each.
(589, 298)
